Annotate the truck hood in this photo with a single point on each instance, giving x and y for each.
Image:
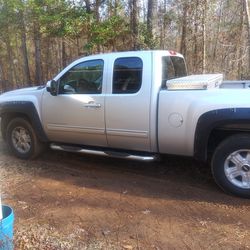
(23, 91)
(33, 95)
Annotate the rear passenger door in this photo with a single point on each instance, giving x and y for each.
(127, 107)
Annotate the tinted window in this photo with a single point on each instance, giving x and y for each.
(84, 78)
(127, 76)
(172, 67)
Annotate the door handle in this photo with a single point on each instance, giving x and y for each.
(92, 105)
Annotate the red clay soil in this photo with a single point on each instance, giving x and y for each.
(69, 201)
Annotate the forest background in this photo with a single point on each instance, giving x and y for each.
(38, 38)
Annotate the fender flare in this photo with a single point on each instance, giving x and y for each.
(232, 119)
(12, 109)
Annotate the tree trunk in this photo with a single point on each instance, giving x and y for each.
(78, 46)
(144, 10)
(10, 62)
(134, 23)
(183, 46)
(164, 25)
(246, 9)
(152, 21)
(97, 9)
(88, 9)
(50, 68)
(217, 36)
(38, 60)
(26, 70)
(16, 65)
(195, 40)
(64, 55)
(97, 16)
(3, 86)
(116, 4)
(204, 36)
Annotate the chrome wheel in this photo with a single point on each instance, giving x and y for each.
(21, 140)
(237, 168)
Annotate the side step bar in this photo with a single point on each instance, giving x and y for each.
(108, 153)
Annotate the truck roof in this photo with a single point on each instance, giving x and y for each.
(134, 53)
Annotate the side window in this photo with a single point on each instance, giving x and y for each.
(84, 78)
(127, 75)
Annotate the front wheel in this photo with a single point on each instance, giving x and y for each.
(22, 139)
(231, 165)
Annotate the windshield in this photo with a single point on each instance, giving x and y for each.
(172, 67)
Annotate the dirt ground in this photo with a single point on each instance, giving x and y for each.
(69, 201)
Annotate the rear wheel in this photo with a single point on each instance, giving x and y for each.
(231, 165)
(22, 139)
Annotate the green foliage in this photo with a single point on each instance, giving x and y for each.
(66, 29)
(8, 16)
(106, 32)
(63, 20)
(146, 41)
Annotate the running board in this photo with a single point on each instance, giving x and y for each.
(108, 153)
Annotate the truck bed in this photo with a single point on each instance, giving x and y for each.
(235, 84)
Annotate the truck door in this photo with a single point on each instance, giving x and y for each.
(76, 114)
(128, 103)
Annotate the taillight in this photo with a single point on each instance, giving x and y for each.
(172, 53)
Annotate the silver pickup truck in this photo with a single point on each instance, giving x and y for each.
(136, 105)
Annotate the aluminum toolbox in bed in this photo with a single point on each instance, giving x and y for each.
(206, 81)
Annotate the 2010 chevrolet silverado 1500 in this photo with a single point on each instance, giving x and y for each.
(136, 105)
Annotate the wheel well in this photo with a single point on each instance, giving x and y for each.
(6, 118)
(218, 135)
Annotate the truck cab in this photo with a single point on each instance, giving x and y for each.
(110, 100)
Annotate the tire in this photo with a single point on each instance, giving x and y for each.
(22, 139)
(231, 165)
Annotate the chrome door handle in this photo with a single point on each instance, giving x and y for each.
(92, 105)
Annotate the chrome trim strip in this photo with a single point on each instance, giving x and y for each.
(55, 127)
(132, 133)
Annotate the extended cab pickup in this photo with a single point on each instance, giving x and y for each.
(136, 105)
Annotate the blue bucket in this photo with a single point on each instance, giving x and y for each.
(6, 228)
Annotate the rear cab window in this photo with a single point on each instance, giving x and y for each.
(172, 67)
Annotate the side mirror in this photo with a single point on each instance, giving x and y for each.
(52, 87)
